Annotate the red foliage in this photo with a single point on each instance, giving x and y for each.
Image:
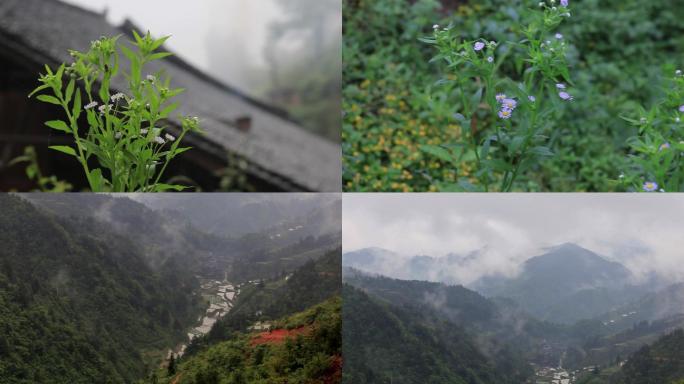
(277, 336)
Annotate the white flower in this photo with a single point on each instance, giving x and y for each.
(104, 108)
(159, 140)
(169, 137)
(118, 135)
(144, 131)
(91, 105)
(117, 96)
(151, 78)
(436, 26)
(678, 72)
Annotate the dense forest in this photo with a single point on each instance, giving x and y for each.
(390, 344)
(98, 289)
(80, 305)
(303, 348)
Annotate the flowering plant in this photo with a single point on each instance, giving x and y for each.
(505, 120)
(657, 159)
(127, 132)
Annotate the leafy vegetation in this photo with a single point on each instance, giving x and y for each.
(82, 306)
(659, 363)
(127, 132)
(312, 283)
(406, 127)
(312, 356)
(384, 343)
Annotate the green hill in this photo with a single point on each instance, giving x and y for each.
(385, 343)
(81, 305)
(302, 348)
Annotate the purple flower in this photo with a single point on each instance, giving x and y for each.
(564, 3)
(531, 98)
(664, 146)
(505, 113)
(500, 97)
(560, 86)
(490, 59)
(558, 36)
(565, 96)
(681, 108)
(478, 46)
(509, 104)
(650, 186)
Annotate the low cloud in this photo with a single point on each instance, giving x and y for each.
(641, 231)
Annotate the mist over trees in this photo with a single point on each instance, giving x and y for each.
(301, 67)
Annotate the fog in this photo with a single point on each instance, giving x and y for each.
(644, 232)
(284, 52)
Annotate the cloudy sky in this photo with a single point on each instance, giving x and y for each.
(644, 232)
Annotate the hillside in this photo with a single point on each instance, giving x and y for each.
(316, 281)
(79, 304)
(301, 348)
(566, 284)
(661, 362)
(240, 256)
(401, 344)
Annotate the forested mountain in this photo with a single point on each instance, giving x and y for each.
(312, 283)
(662, 362)
(566, 284)
(386, 343)
(169, 235)
(251, 214)
(614, 329)
(304, 347)
(99, 288)
(82, 305)
(505, 335)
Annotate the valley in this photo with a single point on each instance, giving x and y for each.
(107, 289)
(569, 316)
(220, 295)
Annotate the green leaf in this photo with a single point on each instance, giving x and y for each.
(40, 88)
(58, 125)
(167, 111)
(541, 151)
(439, 152)
(427, 40)
(168, 187)
(96, 180)
(70, 90)
(49, 99)
(159, 56)
(64, 149)
(76, 111)
(158, 43)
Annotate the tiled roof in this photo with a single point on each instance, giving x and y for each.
(276, 147)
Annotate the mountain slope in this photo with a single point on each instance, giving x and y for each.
(302, 348)
(316, 281)
(74, 297)
(662, 362)
(385, 343)
(566, 284)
